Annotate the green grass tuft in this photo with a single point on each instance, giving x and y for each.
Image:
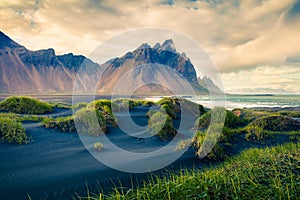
(12, 131)
(25, 105)
(254, 174)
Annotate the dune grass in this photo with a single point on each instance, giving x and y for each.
(25, 105)
(12, 131)
(161, 124)
(270, 173)
(106, 107)
(84, 119)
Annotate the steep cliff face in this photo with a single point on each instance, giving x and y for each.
(42, 71)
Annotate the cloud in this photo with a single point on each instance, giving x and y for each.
(240, 36)
(277, 80)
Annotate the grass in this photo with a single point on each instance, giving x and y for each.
(12, 131)
(254, 174)
(231, 120)
(65, 124)
(161, 125)
(98, 146)
(277, 123)
(60, 105)
(106, 107)
(25, 105)
(84, 119)
(86, 123)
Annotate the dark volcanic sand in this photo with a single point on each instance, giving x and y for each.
(56, 165)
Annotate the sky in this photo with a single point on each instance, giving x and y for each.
(255, 44)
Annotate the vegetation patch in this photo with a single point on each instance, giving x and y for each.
(79, 105)
(60, 105)
(254, 174)
(84, 119)
(255, 133)
(277, 123)
(105, 107)
(86, 123)
(12, 131)
(216, 153)
(145, 103)
(98, 146)
(170, 106)
(161, 125)
(25, 105)
(123, 104)
(22, 118)
(65, 124)
(231, 121)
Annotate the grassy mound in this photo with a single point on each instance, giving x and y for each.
(12, 131)
(84, 122)
(277, 123)
(143, 103)
(123, 104)
(254, 174)
(231, 121)
(216, 153)
(170, 106)
(255, 133)
(65, 124)
(161, 125)
(21, 118)
(25, 105)
(105, 107)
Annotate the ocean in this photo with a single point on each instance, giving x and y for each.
(249, 101)
(245, 101)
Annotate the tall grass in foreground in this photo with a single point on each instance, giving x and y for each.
(270, 173)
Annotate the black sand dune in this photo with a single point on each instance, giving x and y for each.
(56, 165)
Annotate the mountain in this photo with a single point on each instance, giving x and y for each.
(155, 69)
(146, 69)
(42, 71)
(207, 83)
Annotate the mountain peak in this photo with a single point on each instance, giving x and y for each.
(144, 46)
(168, 45)
(6, 41)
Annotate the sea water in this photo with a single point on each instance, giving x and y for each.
(248, 101)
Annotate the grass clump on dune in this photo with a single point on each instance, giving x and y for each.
(90, 121)
(145, 103)
(277, 123)
(123, 104)
(25, 105)
(65, 124)
(254, 174)
(12, 131)
(105, 107)
(22, 118)
(255, 133)
(161, 125)
(170, 106)
(231, 121)
(84, 119)
(98, 146)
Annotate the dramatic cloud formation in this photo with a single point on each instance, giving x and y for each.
(248, 40)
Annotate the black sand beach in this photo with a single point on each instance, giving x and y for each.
(56, 165)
